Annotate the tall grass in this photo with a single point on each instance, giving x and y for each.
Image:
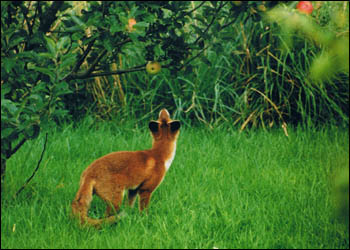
(225, 189)
(258, 78)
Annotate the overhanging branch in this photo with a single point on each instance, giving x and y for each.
(86, 52)
(116, 72)
(88, 73)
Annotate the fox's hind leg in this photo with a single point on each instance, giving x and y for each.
(112, 195)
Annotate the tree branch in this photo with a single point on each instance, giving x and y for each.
(207, 28)
(212, 21)
(87, 73)
(50, 16)
(16, 148)
(194, 57)
(116, 72)
(81, 60)
(191, 11)
(25, 12)
(36, 169)
(97, 60)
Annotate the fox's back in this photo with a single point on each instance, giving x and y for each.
(128, 165)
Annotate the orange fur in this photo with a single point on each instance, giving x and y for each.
(139, 172)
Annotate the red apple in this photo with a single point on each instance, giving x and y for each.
(305, 7)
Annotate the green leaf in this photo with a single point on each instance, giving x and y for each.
(67, 61)
(46, 55)
(63, 42)
(9, 105)
(45, 71)
(206, 61)
(107, 44)
(51, 46)
(62, 88)
(75, 28)
(141, 25)
(28, 55)
(5, 89)
(226, 36)
(16, 41)
(77, 36)
(78, 21)
(32, 132)
(6, 132)
(134, 37)
(8, 64)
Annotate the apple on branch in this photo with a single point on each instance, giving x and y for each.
(305, 7)
(131, 23)
(153, 67)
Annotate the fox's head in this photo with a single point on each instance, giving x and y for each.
(164, 128)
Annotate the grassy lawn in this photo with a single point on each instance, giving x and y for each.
(225, 189)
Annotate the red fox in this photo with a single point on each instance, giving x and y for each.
(139, 172)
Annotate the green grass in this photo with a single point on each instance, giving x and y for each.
(256, 189)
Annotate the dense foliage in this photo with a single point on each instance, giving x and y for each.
(221, 62)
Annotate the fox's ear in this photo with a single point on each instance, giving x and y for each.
(153, 126)
(174, 125)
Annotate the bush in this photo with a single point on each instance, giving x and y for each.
(222, 62)
(49, 49)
